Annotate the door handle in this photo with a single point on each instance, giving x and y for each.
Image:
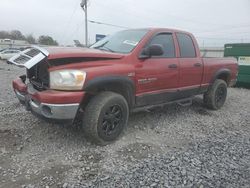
(197, 65)
(172, 66)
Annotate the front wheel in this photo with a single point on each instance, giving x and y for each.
(216, 95)
(105, 117)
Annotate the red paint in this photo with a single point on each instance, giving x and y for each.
(58, 97)
(165, 79)
(50, 96)
(19, 85)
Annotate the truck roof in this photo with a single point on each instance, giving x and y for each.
(159, 29)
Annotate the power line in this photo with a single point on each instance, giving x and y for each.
(183, 19)
(179, 18)
(74, 32)
(225, 29)
(119, 26)
(209, 38)
(113, 25)
(219, 38)
(69, 21)
(108, 24)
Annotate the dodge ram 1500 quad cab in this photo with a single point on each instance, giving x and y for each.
(129, 70)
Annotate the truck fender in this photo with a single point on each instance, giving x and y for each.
(224, 74)
(120, 84)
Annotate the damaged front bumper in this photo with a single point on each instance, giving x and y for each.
(55, 111)
(48, 104)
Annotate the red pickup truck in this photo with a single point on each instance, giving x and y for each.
(127, 71)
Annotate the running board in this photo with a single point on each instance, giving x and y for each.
(186, 102)
(182, 102)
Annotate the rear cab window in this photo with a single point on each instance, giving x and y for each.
(186, 45)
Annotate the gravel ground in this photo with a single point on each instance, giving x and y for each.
(171, 146)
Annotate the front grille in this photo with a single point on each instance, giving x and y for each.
(29, 57)
(32, 52)
(22, 59)
(39, 76)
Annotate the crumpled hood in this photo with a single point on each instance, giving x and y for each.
(60, 55)
(67, 52)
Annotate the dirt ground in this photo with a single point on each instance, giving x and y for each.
(34, 153)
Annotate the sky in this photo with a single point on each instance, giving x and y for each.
(213, 22)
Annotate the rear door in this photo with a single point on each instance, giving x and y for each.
(191, 66)
(157, 78)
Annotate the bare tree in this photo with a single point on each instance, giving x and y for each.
(30, 39)
(47, 40)
(4, 34)
(17, 35)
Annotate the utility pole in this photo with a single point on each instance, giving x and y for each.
(85, 9)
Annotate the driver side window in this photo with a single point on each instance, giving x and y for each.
(167, 41)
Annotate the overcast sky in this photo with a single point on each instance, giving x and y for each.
(214, 22)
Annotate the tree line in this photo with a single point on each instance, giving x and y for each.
(17, 35)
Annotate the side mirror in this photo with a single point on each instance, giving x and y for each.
(152, 50)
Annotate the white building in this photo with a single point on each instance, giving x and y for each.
(8, 43)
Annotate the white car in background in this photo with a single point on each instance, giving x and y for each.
(7, 54)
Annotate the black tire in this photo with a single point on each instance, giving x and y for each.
(105, 117)
(216, 95)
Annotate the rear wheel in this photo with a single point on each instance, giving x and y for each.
(105, 117)
(216, 95)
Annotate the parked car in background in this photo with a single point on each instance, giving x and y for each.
(3, 49)
(125, 72)
(7, 54)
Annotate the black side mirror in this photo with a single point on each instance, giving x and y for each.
(152, 50)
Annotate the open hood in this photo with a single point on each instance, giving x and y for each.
(32, 56)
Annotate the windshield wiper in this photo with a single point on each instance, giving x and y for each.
(103, 47)
(97, 47)
(106, 49)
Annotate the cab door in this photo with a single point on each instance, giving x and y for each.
(157, 76)
(191, 66)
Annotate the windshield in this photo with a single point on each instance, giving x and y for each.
(121, 42)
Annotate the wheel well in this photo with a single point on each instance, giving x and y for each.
(123, 89)
(224, 76)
